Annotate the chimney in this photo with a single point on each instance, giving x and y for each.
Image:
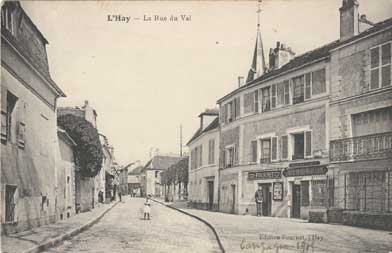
(85, 102)
(348, 19)
(279, 56)
(240, 81)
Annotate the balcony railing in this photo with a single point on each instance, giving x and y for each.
(373, 146)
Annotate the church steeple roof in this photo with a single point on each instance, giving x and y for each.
(258, 67)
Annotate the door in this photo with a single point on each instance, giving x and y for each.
(233, 198)
(10, 203)
(296, 208)
(267, 202)
(210, 195)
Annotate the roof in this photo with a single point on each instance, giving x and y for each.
(213, 125)
(65, 137)
(136, 171)
(160, 162)
(210, 112)
(25, 51)
(181, 164)
(311, 56)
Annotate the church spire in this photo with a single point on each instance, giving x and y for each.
(258, 67)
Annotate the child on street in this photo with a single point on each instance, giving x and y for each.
(147, 208)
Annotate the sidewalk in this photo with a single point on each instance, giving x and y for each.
(244, 233)
(41, 238)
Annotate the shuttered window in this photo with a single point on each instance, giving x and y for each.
(256, 100)
(319, 82)
(380, 66)
(211, 151)
(237, 107)
(201, 156)
(284, 145)
(274, 148)
(266, 103)
(308, 143)
(280, 94)
(22, 124)
(253, 150)
(286, 92)
(249, 102)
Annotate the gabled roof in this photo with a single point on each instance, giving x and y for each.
(136, 171)
(213, 125)
(161, 162)
(311, 56)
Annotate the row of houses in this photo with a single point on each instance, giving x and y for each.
(313, 130)
(40, 181)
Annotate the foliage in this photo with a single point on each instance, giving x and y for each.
(88, 150)
(176, 173)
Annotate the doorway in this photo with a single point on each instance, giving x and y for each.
(233, 198)
(210, 195)
(267, 200)
(296, 208)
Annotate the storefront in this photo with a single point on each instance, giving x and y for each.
(308, 189)
(272, 185)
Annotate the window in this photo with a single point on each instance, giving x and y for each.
(7, 116)
(265, 152)
(298, 89)
(319, 82)
(249, 102)
(274, 148)
(253, 150)
(211, 151)
(200, 155)
(280, 94)
(380, 66)
(286, 92)
(7, 18)
(302, 145)
(273, 96)
(229, 112)
(10, 203)
(229, 157)
(372, 122)
(307, 85)
(266, 104)
(237, 112)
(156, 174)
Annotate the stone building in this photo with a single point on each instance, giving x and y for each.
(360, 113)
(134, 181)
(276, 128)
(65, 178)
(107, 164)
(150, 175)
(28, 124)
(87, 188)
(204, 162)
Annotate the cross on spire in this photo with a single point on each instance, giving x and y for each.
(258, 12)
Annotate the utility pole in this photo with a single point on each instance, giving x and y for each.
(180, 140)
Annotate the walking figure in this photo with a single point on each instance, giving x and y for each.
(119, 195)
(147, 208)
(259, 200)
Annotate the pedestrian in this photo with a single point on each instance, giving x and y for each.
(147, 208)
(119, 195)
(259, 200)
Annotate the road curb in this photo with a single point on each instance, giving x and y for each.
(57, 240)
(200, 219)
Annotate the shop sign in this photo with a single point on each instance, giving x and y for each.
(305, 171)
(278, 191)
(276, 174)
(304, 164)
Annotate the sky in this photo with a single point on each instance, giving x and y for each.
(145, 78)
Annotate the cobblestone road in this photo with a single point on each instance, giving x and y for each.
(123, 230)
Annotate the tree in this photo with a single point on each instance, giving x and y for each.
(88, 150)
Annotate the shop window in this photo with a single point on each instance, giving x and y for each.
(304, 193)
(319, 192)
(380, 66)
(10, 203)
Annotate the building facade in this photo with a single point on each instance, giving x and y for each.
(303, 128)
(361, 121)
(150, 175)
(203, 170)
(28, 124)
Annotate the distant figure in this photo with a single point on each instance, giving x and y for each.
(259, 200)
(100, 197)
(147, 208)
(119, 195)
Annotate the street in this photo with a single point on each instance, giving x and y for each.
(124, 230)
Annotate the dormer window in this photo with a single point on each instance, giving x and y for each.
(7, 18)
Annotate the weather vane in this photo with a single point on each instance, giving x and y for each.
(258, 12)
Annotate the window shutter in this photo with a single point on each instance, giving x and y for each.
(308, 143)
(237, 107)
(223, 158)
(253, 149)
(201, 156)
(222, 113)
(287, 92)
(22, 124)
(273, 96)
(274, 148)
(284, 144)
(4, 114)
(256, 101)
(226, 113)
(235, 154)
(212, 151)
(307, 86)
